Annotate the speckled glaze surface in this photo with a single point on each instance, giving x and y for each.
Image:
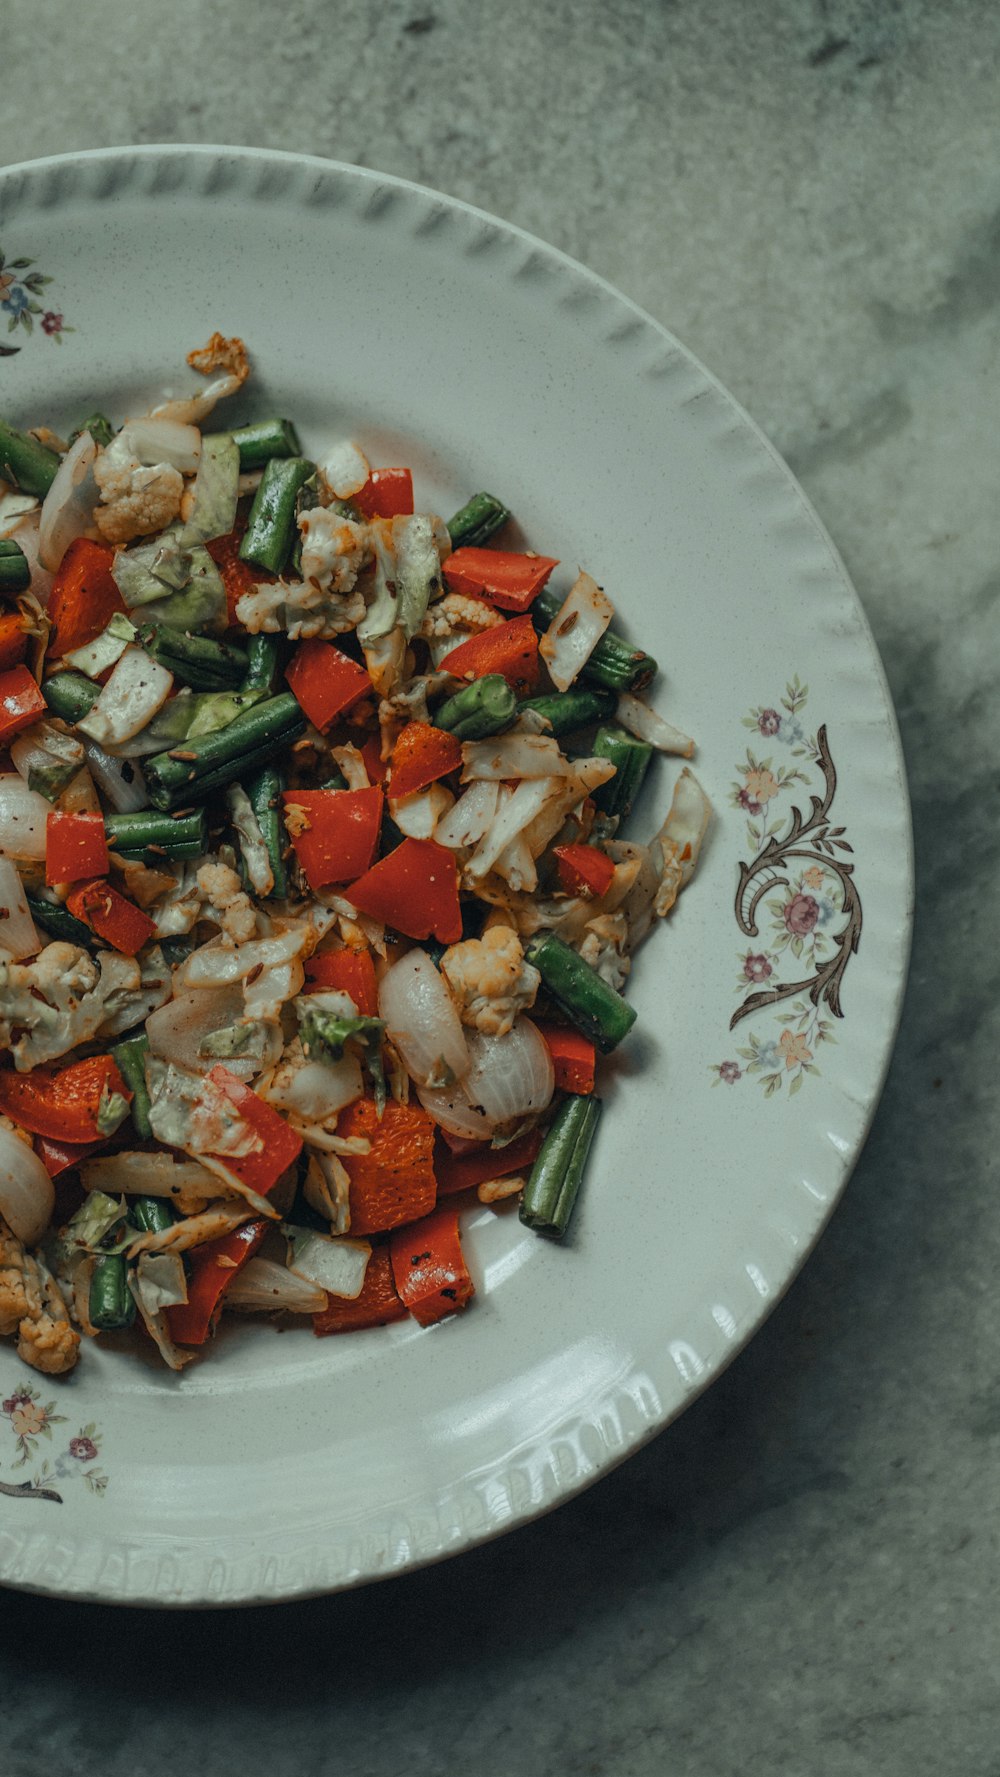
(440, 337)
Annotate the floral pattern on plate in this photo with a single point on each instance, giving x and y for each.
(29, 1421)
(19, 289)
(800, 882)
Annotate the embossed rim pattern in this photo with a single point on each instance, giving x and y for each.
(549, 1417)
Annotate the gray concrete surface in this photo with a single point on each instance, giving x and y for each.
(800, 1578)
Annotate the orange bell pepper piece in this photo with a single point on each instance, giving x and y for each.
(428, 1267)
(394, 1182)
(341, 837)
(326, 682)
(421, 755)
(414, 890)
(21, 702)
(583, 869)
(574, 1057)
(482, 1163)
(13, 639)
(345, 971)
(84, 596)
(119, 922)
(498, 575)
(377, 1305)
(65, 1105)
(75, 847)
(510, 649)
(388, 493)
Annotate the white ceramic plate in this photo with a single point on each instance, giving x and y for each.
(447, 340)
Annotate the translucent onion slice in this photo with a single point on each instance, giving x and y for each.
(335, 1263)
(27, 1197)
(510, 1076)
(18, 935)
(575, 631)
(422, 1021)
(137, 688)
(450, 1107)
(120, 779)
(68, 507)
(646, 725)
(176, 1030)
(23, 817)
(262, 1287)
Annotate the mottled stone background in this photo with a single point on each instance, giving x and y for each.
(799, 1579)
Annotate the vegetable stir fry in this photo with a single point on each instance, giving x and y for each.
(316, 909)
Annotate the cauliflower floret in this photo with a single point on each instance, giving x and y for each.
(490, 980)
(300, 608)
(605, 948)
(31, 1305)
(334, 549)
(59, 1000)
(138, 498)
(457, 614)
(229, 902)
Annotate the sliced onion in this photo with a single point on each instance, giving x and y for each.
(449, 1106)
(515, 811)
(17, 928)
(262, 1285)
(13, 506)
(155, 439)
(645, 724)
(43, 755)
(575, 631)
(345, 469)
(23, 818)
(184, 1181)
(120, 779)
(509, 756)
(422, 1021)
(417, 815)
(470, 818)
(334, 1263)
(27, 1197)
(68, 507)
(25, 535)
(177, 1030)
(137, 688)
(512, 1075)
(317, 1090)
(79, 796)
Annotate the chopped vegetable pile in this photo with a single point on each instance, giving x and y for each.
(315, 908)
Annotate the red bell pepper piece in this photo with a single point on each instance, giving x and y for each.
(498, 575)
(341, 837)
(428, 1267)
(75, 847)
(119, 922)
(510, 649)
(583, 869)
(325, 681)
(574, 1057)
(84, 596)
(13, 639)
(394, 1182)
(481, 1163)
(58, 1156)
(420, 756)
(377, 1305)
(345, 971)
(376, 767)
(212, 1269)
(64, 1105)
(414, 890)
(388, 493)
(280, 1145)
(237, 576)
(21, 702)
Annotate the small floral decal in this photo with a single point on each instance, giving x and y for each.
(20, 288)
(30, 1421)
(799, 880)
